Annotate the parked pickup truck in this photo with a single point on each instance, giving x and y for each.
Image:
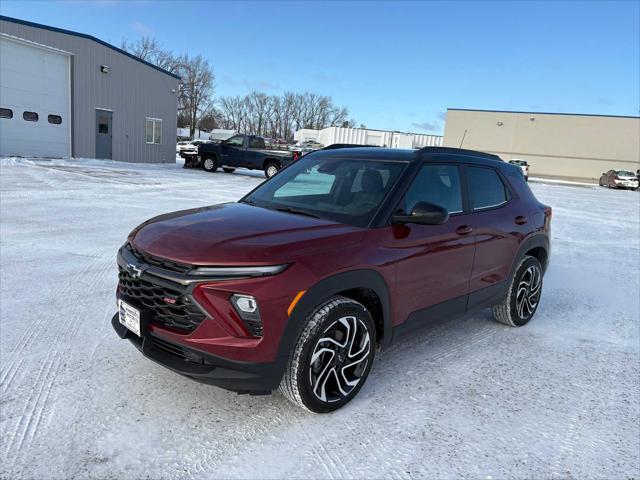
(247, 151)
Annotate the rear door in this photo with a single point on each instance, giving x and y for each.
(499, 222)
(254, 154)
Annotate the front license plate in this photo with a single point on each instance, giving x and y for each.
(129, 316)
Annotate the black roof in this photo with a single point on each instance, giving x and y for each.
(88, 37)
(406, 155)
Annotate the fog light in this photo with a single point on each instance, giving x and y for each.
(246, 307)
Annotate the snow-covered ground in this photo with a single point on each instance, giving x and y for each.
(557, 398)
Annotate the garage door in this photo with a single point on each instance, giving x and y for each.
(35, 117)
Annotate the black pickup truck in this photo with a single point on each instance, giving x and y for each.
(247, 151)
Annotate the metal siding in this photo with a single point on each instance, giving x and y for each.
(557, 145)
(132, 90)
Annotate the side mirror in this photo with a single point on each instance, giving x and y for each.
(424, 213)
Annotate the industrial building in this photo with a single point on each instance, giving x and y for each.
(365, 136)
(554, 144)
(68, 94)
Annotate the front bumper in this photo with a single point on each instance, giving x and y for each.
(240, 377)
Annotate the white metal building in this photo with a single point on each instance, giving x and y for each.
(364, 136)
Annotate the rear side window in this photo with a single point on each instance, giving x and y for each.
(256, 143)
(485, 188)
(6, 113)
(30, 116)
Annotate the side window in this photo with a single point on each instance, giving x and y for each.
(256, 142)
(30, 116)
(437, 184)
(485, 188)
(55, 119)
(236, 141)
(6, 113)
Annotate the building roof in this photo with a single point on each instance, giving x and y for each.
(541, 113)
(88, 37)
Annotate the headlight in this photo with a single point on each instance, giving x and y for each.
(238, 271)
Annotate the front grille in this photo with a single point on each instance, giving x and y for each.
(158, 262)
(183, 315)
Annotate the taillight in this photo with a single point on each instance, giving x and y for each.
(548, 213)
(296, 155)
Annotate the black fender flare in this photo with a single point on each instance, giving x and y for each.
(326, 288)
(534, 241)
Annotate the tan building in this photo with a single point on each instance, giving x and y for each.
(554, 144)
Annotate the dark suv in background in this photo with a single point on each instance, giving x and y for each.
(300, 282)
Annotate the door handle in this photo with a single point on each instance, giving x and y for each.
(464, 230)
(520, 220)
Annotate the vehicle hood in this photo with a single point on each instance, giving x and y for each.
(239, 234)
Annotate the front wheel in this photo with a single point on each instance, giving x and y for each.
(271, 169)
(523, 296)
(210, 164)
(332, 357)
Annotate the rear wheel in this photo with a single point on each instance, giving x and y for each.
(228, 169)
(271, 169)
(600, 182)
(332, 357)
(210, 164)
(523, 296)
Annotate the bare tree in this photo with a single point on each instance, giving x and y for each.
(196, 88)
(279, 116)
(149, 50)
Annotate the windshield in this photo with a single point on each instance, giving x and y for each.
(343, 190)
(625, 173)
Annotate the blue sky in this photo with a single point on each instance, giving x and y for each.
(395, 65)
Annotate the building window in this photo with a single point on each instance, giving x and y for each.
(6, 113)
(30, 116)
(55, 119)
(153, 131)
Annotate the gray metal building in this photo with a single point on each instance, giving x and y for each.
(67, 94)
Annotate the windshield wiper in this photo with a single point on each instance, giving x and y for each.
(295, 211)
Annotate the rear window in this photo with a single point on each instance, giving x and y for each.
(486, 188)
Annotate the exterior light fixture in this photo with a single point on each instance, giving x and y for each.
(499, 124)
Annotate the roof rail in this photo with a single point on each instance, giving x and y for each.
(460, 151)
(335, 146)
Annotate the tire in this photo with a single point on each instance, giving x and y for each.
(228, 169)
(311, 378)
(210, 164)
(271, 168)
(600, 182)
(523, 297)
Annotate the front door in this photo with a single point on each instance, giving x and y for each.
(104, 134)
(436, 259)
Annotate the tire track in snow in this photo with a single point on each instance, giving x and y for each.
(35, 407)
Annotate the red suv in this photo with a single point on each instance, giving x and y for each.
(300, 282)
